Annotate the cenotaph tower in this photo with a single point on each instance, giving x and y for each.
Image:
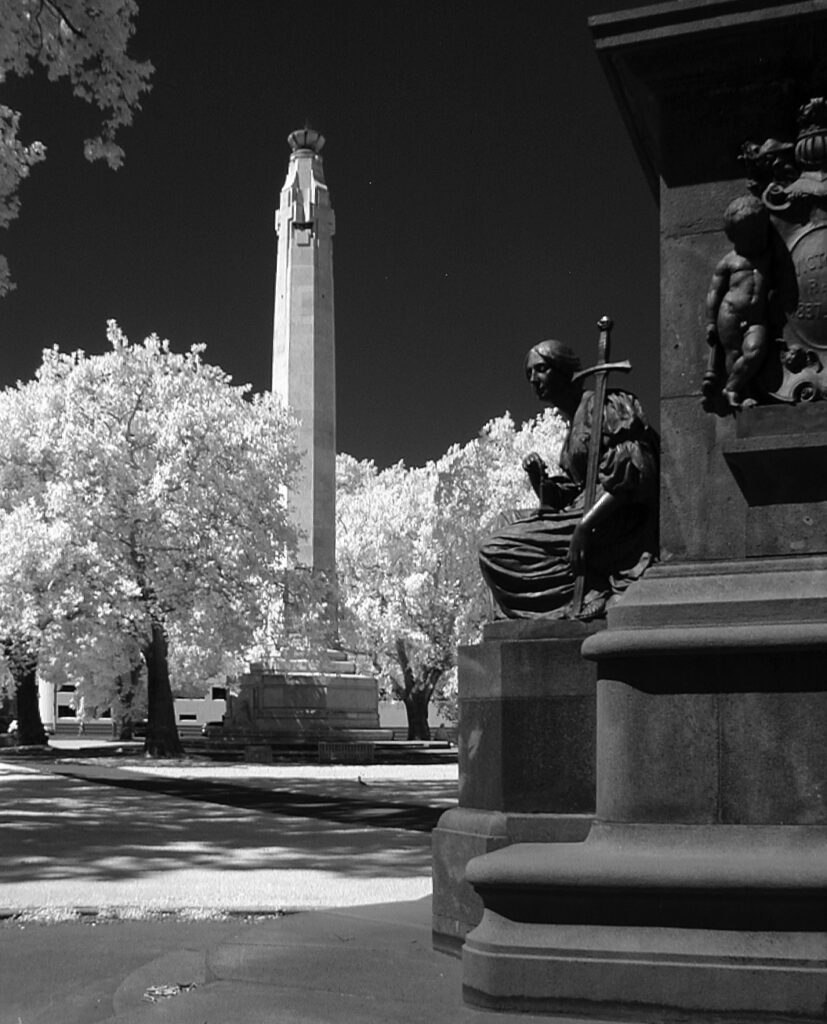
(303, 700)
(304, 363)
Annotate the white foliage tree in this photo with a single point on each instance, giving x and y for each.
(407, 539)
(154, 492)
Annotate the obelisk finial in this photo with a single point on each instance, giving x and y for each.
(306, 138)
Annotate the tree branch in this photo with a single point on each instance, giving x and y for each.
(61, 14)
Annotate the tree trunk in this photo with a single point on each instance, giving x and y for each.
(416, 693)
(416, 704)
(126, 688)
(30, 731)
(162, 738)
(21, 659)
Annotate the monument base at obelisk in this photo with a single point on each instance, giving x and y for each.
(304, 701)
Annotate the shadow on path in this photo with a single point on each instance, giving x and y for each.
(358, 811)
(57, 827)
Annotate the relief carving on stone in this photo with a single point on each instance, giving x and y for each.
(766, 307)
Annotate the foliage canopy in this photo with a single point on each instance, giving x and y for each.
(142, 511)
(84, 42)
(407, 540)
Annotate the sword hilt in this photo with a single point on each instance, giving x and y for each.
(604, 325)
(624, 366)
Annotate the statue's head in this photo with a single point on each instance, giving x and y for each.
(555, 353)
(549, 368)
(746, 223)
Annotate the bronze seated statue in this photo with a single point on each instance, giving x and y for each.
(531, 565)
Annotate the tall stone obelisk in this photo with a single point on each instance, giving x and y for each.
(299, 699)
(304, 363)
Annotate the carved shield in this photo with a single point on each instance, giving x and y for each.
(791, 179)
(799, 373)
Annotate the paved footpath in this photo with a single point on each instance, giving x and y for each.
(90, 833)
(182, 875)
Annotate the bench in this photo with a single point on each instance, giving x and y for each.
(346, 753)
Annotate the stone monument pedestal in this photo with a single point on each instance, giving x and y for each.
(526, 756)
(653, 924)
(302, 701)
(702, 887)
(700, 894)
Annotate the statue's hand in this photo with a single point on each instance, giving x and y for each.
(536, 469)
(579, 548)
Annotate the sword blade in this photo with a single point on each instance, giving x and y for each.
(601, 371)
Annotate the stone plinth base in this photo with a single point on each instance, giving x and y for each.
(701, 891)
(303, 704)
(712, 700)
(526, 756)
(655, 923)
(464, 833)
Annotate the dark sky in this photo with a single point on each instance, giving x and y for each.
(485, 190)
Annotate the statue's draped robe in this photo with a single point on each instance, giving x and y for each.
(526, 563)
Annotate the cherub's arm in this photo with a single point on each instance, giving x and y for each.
(717, 290)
